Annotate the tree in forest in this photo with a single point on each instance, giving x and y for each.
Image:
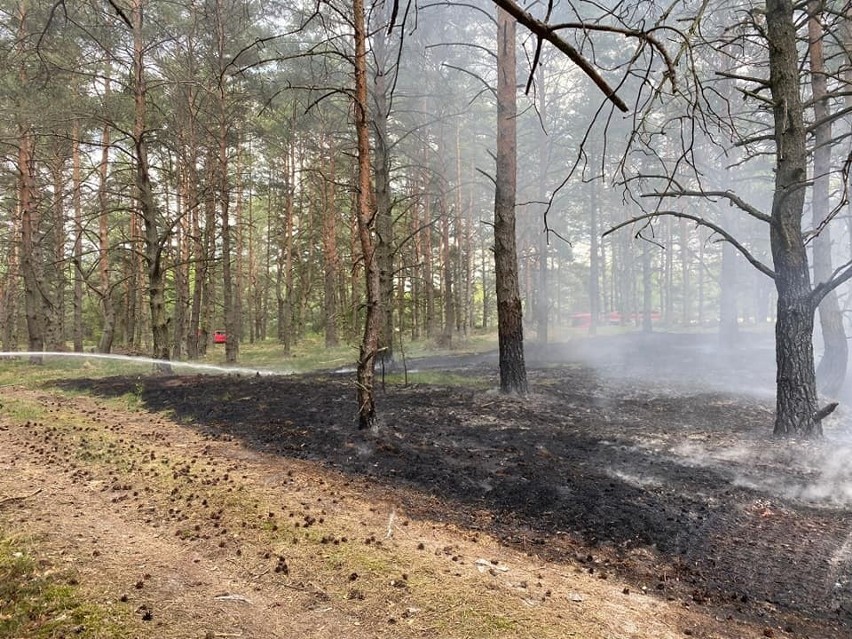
(153, 237)
(510, 330)
(831, 370)
(365, 212)
(779, 96)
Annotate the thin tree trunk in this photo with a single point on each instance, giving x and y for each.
(647, 323)
(239, 257)
(384, 212)
(77, 203)
(54, 237)
(594, 261)
(543, 306)
(105, 286)
(728, 312)
(10, 295)
(31, 249)
(686, 314)
(367, 418)
(180, 339)
(229, 293)
(329, 254)
(447, 275)
(831, 371)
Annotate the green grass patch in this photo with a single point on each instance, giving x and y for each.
(39, 603)
(437, 378)
(21, 410)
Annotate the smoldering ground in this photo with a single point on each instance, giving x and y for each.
(650, 456)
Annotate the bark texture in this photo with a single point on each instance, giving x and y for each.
(796, 399)
(510, 330)
(146, 202)
(831, 371)
(367, 418)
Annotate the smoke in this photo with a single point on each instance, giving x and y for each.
(812, 473)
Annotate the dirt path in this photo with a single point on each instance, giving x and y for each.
(202, 537)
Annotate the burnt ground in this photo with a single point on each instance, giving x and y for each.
(650, 456)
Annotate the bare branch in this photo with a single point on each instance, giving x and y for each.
(732, 197)
(756, 263)
(746, 78)
(545, 32)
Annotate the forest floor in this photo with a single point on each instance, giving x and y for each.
(636, 493)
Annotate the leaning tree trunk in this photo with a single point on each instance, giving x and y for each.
(796, 396)
(367, 418)
(831, 371)
(510, 330)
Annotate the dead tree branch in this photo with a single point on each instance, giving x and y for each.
(756, 263)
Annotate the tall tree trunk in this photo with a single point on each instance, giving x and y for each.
(796, 399)
(447, 274)
(384, 212)
(183, 230)
(55, 279)
(543, 298)
(647, 301)
(147, 205)
(685, 284)
(240, 293)
(417, 198)
(831, 371)
(105, 286)
(10, 292)
(229, 293)
(77, 203)
(728, 312)
(284, 283)
(367, 418)
(510, 330)
(329, 254)
(428, 272)
(31, 249)
(594, 261)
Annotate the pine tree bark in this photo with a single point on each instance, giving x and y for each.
(31, 248)
(146, 203)
(77, 203)
(384, 209)
(510, 330)
(796, 401)
(831, 371)
(105, 287)
(10, 293)
(31, 245)
(367, 417)
(331, 262)
(223, 187)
